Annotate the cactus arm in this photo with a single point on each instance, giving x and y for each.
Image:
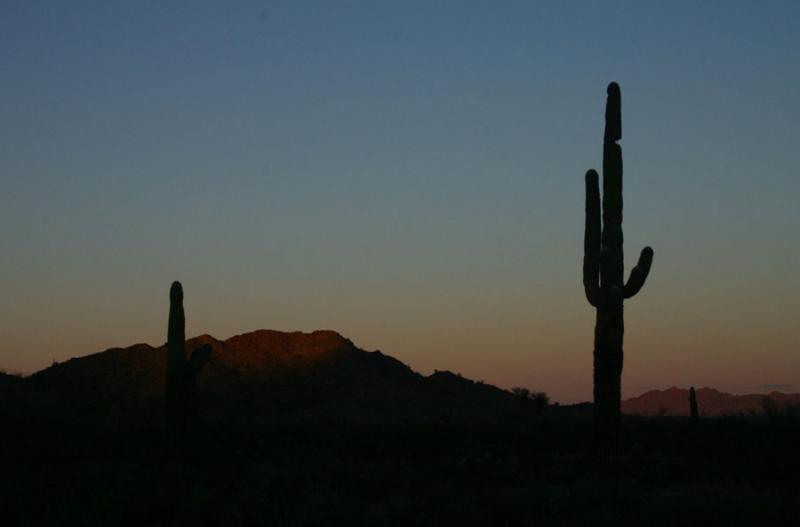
(198, 359)
(639, 273)
(591, 240)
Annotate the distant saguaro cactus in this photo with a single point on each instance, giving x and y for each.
(603, 280)
(181, 387)
(693, 404)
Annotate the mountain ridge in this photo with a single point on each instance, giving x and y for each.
(710, 401)
(268, 374)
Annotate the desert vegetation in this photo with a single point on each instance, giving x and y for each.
(279, 428)
(603, 280)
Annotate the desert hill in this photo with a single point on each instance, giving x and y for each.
(710, 402)
(265, 375)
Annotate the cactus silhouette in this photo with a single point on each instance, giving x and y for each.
(603, 280)
(181, 390)
(693, 404)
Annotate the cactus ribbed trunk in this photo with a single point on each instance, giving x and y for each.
(603, 280)
(180, 390)
(176, 358)
(693, 404)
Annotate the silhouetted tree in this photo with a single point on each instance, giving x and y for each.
(522, 393)
(603, 280)
(181, 388)
(693, 404)
(538, 400)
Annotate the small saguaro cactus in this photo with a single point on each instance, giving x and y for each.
(693, 404)
(181, 388)
(603, 280)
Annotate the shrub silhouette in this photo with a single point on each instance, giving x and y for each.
(181, 388)
(773, 410)
(603, 268)
(522, 393)
(538, 400)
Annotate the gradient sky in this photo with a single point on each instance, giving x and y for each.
(409, 174)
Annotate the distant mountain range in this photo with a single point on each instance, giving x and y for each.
(710, 402)
(264, 375)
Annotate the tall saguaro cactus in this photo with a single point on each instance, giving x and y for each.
(693, 404)
(603, 280)
(181, 388)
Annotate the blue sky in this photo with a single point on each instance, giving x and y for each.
(409, 174)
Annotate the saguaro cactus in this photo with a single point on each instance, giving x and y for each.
(603, 280)
(181, 388)
(693, 404)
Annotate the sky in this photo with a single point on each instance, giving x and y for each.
(409, 174)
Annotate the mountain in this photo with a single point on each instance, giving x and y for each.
(710, 402)
(266, 375)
